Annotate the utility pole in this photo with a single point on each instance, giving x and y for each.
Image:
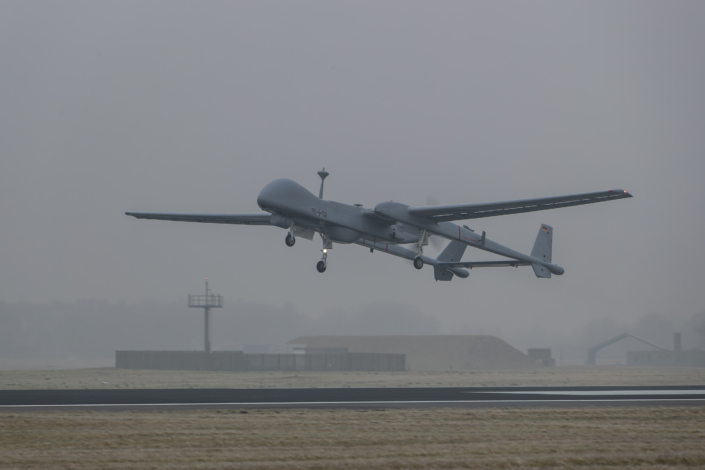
(206, 302)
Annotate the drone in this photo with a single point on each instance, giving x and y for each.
(389, 225)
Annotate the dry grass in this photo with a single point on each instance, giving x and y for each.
(553, 376)
(644, 438)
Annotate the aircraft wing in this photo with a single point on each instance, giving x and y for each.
(484, 264)
(250, 218)
(491, 209)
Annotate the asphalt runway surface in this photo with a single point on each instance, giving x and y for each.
(347, 398)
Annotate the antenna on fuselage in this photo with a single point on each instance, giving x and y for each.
(323, 173)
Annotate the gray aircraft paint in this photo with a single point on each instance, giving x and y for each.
(290, 206)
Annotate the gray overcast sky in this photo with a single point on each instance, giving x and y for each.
(195, 106)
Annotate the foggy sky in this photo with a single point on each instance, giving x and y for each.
(107, 107)
(95, 329)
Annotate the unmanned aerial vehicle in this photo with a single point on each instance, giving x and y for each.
(288, 205)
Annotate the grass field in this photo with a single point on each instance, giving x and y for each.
(549, 376)
(605, 438)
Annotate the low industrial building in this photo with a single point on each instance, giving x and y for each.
(239, 361)
(660, 357)
(433, 352)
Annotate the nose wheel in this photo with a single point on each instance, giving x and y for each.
(290, 240)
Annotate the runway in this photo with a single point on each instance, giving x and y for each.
(348, 398)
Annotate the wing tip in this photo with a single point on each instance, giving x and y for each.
(620, 192)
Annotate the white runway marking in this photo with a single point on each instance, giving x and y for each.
(607, 392)
(318, 403)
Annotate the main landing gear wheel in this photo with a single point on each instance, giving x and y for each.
(418, 263)
(290, 240)
(327, 245)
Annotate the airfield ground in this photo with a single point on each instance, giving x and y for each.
(549, 376)
(526, 438)
(606, 438)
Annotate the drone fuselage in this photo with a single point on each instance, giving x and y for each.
(389, 222)
(342, 223)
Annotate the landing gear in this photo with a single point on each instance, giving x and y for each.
(323, 264)
(290, 239)
(327, 245)
(423, 240)
(418, 262)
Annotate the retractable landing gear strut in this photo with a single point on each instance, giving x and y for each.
(327, 245)
(423, 240)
